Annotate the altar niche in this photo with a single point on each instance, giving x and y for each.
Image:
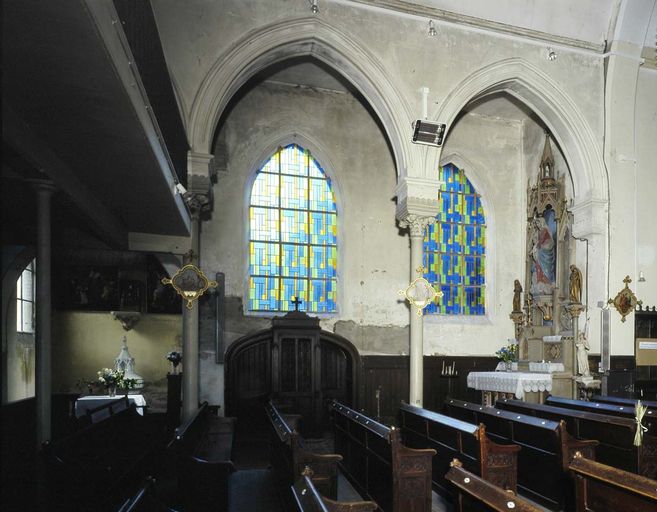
(548, 305)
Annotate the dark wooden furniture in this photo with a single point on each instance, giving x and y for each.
(308, 499)
(546, 449)
(297, 364)
(106, 410)
(615, 434)
(145, 500)
(620, 410)
(174, 400)
(378, 465)
(202, 448)
(452, 438)
(629, 402)
(475, 493)
(603, 488)
(289, 458)
(98, 466)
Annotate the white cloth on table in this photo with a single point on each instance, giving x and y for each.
(85, 403)
(501, 366)
(517, 383)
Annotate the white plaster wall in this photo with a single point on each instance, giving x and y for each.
(646, 186)
(492, 150)
(373, 254)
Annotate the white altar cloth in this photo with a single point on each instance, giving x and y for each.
(85, 403)
(518, 383)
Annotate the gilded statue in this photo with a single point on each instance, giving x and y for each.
(517, 290)
(575, 285)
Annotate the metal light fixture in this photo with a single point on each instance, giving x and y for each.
(314, 8)
(432, 29)
(551, 54)
(428, 133)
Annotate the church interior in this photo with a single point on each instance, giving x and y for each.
(329, 255)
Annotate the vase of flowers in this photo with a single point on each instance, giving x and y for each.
(174, 357)
(112, 379)
(508, 355)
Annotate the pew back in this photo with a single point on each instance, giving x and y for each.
(602, 488)
(545, 449)
(453, 438)
(477, 494)
(397, 478)
(309, 499)
(615, 435)
(616, 400)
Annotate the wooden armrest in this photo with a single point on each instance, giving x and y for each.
(321, 457)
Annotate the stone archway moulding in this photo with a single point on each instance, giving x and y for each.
(294, 38)
(560, 114)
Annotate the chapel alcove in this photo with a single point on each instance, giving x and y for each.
(297, 364)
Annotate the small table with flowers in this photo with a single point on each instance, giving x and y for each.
(85, 403)
(497, 385)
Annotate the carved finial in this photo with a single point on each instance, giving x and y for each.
(455, 464)
(547, 160)
(627, 281)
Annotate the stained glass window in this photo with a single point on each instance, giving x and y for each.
(293, 235)
(455, 247)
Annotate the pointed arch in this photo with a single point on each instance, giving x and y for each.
(279, 41)
(556, 109)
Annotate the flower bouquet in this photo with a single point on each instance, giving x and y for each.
(508, 354)
(174, 358)
(113, 379)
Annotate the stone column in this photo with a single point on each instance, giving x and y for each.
(417, 225)
(43, 331)
(190, 362)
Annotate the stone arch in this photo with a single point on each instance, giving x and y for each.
(556, 109)
(302, 37)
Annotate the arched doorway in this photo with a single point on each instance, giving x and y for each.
(295, 363)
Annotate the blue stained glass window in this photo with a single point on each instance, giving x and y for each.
(293, 235)
(455, 247)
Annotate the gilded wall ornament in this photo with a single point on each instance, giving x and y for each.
(625, 300)
(190, 282)
(420, 293)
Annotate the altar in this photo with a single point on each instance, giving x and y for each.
(531, 387)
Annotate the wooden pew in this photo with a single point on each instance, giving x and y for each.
(475, 494)
(308, 498)
(202, 447)
(602, 488)
(546, 449)
(96, 467)
(145, 500)
(616, 400)
(289, 458)
(620, 410)
(615, 434)
(452, 438)
(378, 465)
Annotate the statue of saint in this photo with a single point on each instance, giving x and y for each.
(575, 285)
(583, 348)
(517, 290)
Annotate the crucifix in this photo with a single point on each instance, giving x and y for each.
(297, 302)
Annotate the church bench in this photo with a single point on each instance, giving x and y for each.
(202, 448)
(289, 458)
(599, 488)
(106, 410)
(94, 468)
(615, 435)
(477, 494)
(620, 410)
(378, 465)
(453, 438)
(546, 448)
(308, 498)
(617, 400)
(145, 500)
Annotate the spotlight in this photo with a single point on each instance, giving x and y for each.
(551, 54)
(314, 8)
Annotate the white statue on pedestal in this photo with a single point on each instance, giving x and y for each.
(126, 363)
(583, 348)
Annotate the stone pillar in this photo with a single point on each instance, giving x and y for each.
(190, 375)
(43, 331)
(417, 225)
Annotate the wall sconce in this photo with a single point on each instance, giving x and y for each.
(432, 29)
(314, 8)
(642, 278)
(551, 54)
